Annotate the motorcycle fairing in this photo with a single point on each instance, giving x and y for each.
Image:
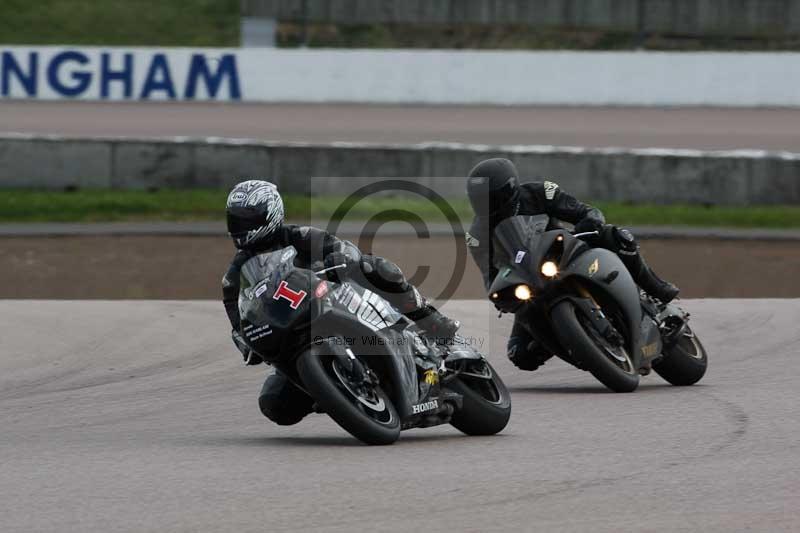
(382, 335)
(596, 269)
(260, 309)
(369, 308)
(388, 339)
(604, 271)
(522, 243)
(462, 351)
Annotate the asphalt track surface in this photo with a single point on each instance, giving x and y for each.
(699, 128)
(137, 416)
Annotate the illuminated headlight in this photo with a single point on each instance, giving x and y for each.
(549, 269)
(522, 292)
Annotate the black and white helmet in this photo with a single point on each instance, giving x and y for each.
(255, 213)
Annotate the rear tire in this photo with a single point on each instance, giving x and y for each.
(486, 406)
(320, 379)
(582, 347)
(685, 363)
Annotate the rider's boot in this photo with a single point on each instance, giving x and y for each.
(434, 325)
(644, 276)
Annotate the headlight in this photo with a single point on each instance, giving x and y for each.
(549, 269)
(522, 292)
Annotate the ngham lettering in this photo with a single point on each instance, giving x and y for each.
(118, 74)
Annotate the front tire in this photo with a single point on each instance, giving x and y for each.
(613, 370)
(685, 363)
(375, 422)
(486, 406)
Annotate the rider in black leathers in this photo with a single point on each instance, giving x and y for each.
(255, 222)
(495, 194)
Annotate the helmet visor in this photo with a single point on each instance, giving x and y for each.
(490, 199)
(242, 220)
(504, 198)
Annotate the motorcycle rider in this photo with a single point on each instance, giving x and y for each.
(495, 194)
(255, 219)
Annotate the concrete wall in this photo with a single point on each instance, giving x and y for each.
(402, 76)
(682, 17)
(662, 176)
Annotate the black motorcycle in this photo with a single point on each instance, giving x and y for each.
(364, 364)
(581, 304)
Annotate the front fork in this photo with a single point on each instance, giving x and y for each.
(357, 373)
(673, 325)
(587, 306)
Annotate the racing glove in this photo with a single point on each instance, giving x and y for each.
(588, 224)
(335, 259)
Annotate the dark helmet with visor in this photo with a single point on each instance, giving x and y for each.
(493, 188)
(255, 213)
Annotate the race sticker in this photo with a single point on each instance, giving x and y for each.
(426, 406)
(295, 297)
(254, 334)
(520, 257)
(261, 290)
(321, 290)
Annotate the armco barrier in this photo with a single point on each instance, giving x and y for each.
(643, 175)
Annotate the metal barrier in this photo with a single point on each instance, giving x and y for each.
(647, 175)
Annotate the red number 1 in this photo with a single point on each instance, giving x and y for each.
(295, 297)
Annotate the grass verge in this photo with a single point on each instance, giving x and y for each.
(204, 204)
(120, 22)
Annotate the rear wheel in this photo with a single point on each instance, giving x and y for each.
(366, 412)
(685, 362)
(486, 406)
(611, 365)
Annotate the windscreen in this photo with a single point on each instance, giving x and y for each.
(262, 268)
(263, 274)
(514, 234)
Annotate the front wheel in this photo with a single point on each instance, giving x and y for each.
(367, 413)
(486, 405)
(685, 362)
(611, 365)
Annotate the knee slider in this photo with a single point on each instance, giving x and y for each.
(525, 354)
(278, 412)
(280, 402)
